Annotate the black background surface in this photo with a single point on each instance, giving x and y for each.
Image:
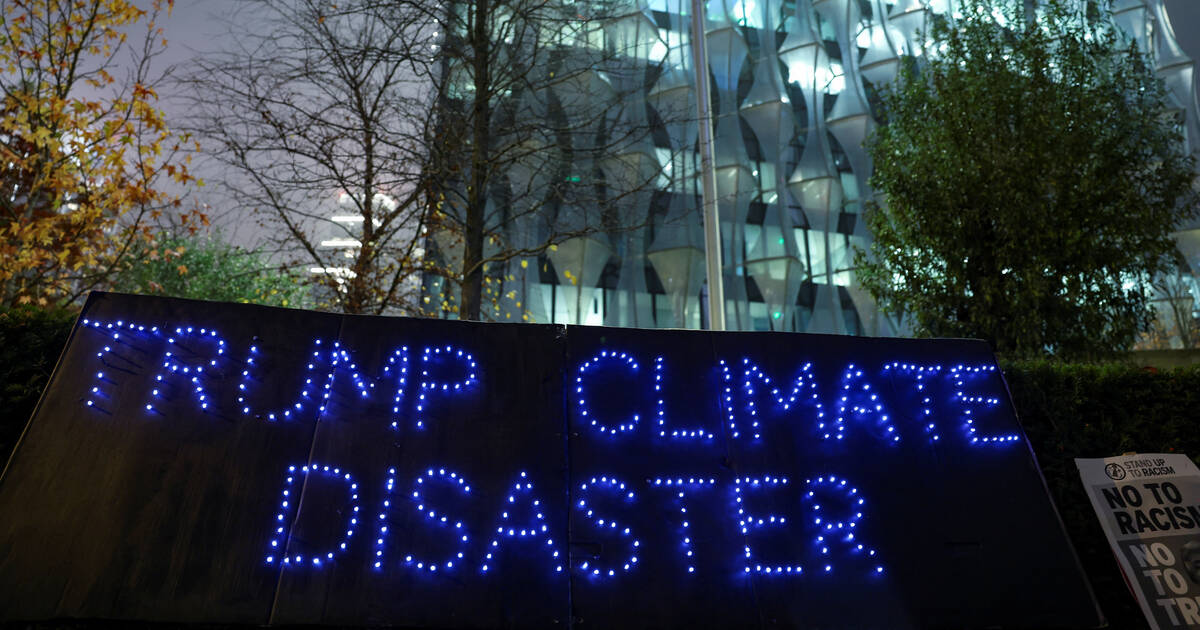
(117, 512)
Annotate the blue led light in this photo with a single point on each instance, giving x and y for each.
(114, 357)
(389, 486)
(728, 398)
(443, 521)
(605, 356)
(340, 362)
(663, 431)
(431, 386)
(960, 374)
(803, 391)
(858, 401)
(325, 362)
(613, 486)
(535, 529)
(840, 532)
(306, 397)
(920, 377)
(397, 368)
(182, 361)
(681, 486)
(192, 358)
(748, 522)
(287, 508)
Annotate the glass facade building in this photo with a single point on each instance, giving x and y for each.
(793, 84)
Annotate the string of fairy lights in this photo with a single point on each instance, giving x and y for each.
(194, 362)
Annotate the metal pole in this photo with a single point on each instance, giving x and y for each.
(708, 174)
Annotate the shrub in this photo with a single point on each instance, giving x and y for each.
(30, 341)
(1071, 411)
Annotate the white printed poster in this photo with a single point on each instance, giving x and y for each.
(1149, 505)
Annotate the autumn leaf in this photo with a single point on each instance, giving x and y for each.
(68, 146)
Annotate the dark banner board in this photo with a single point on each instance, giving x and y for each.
(219, 463)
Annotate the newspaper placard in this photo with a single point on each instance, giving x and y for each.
(1149, 506)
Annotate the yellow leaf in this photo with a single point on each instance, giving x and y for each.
(65, 150)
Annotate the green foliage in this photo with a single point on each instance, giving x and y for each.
(1071, 411)
(30, 341)
(207, 268)
(1033, 174)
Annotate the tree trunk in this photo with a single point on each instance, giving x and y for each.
(472, 271)
(358, 296)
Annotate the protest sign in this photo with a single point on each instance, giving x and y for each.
(225, 463)
(1149, 505)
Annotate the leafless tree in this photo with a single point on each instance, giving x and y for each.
(320, 108)
(542, 137)
(489, 131)
(1176, 320)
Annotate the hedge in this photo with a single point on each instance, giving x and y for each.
(1068, 411)
(1071, 411)
(30, 341)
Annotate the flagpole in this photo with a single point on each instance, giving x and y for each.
(708, 174)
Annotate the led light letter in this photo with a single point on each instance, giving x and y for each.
(382, 521)
(535, 529)
(918, 381)
(748, 522)
(340, 362)
(439, 519)
(610, 485)
(968, 403)
(753, 382)
(397, 370)
(677, 485)
(280, 551)
(317, 373)
(112, 359)
(587, 415)
(831, 531)
(661, 427)
(431, 386)
(183, 364)
(857, 400)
